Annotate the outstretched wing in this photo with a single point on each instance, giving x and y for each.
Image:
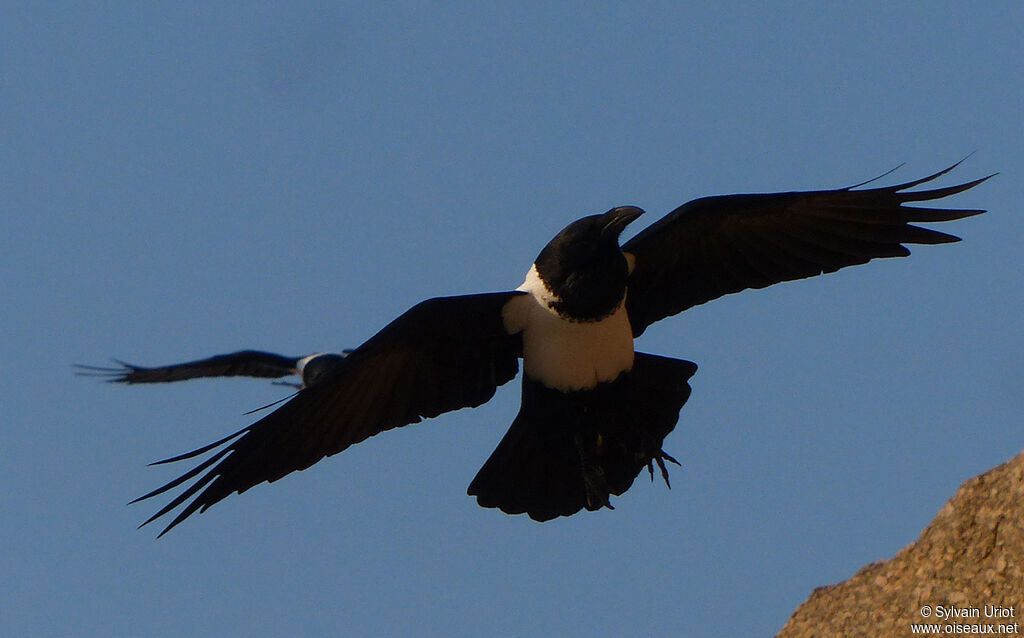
(244, 363)
(714, 246)
(443, 354)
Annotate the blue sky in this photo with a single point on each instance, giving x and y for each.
(179, 181)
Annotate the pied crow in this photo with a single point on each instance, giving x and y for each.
(244, 363)
(594, 413)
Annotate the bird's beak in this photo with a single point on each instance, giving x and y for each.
(617, 219)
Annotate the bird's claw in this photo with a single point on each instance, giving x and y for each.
(660, 459)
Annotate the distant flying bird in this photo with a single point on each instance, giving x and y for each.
(594, 413)
(244, 363)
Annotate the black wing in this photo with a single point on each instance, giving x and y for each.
(714, 246)
(244, 363)
(443, 354)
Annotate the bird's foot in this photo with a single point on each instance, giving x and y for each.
(597, 489)
(661, 457)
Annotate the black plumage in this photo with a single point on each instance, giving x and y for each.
(243, 363)
(714, 246)
(594, 413)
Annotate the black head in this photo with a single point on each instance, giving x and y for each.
(318, 366)
(583, 266)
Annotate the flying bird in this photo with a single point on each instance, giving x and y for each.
(594, 412)
(244, 363)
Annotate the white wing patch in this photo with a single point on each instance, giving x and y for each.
(563, 354)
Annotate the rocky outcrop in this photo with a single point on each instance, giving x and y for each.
(965, 573)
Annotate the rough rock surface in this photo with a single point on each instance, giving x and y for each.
(969, 558)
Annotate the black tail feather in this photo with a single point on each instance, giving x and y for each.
(569, 451)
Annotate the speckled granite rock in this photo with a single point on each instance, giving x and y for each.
(970, 556)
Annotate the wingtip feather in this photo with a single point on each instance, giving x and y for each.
(927, 194)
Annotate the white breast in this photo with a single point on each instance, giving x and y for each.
(563, 354)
